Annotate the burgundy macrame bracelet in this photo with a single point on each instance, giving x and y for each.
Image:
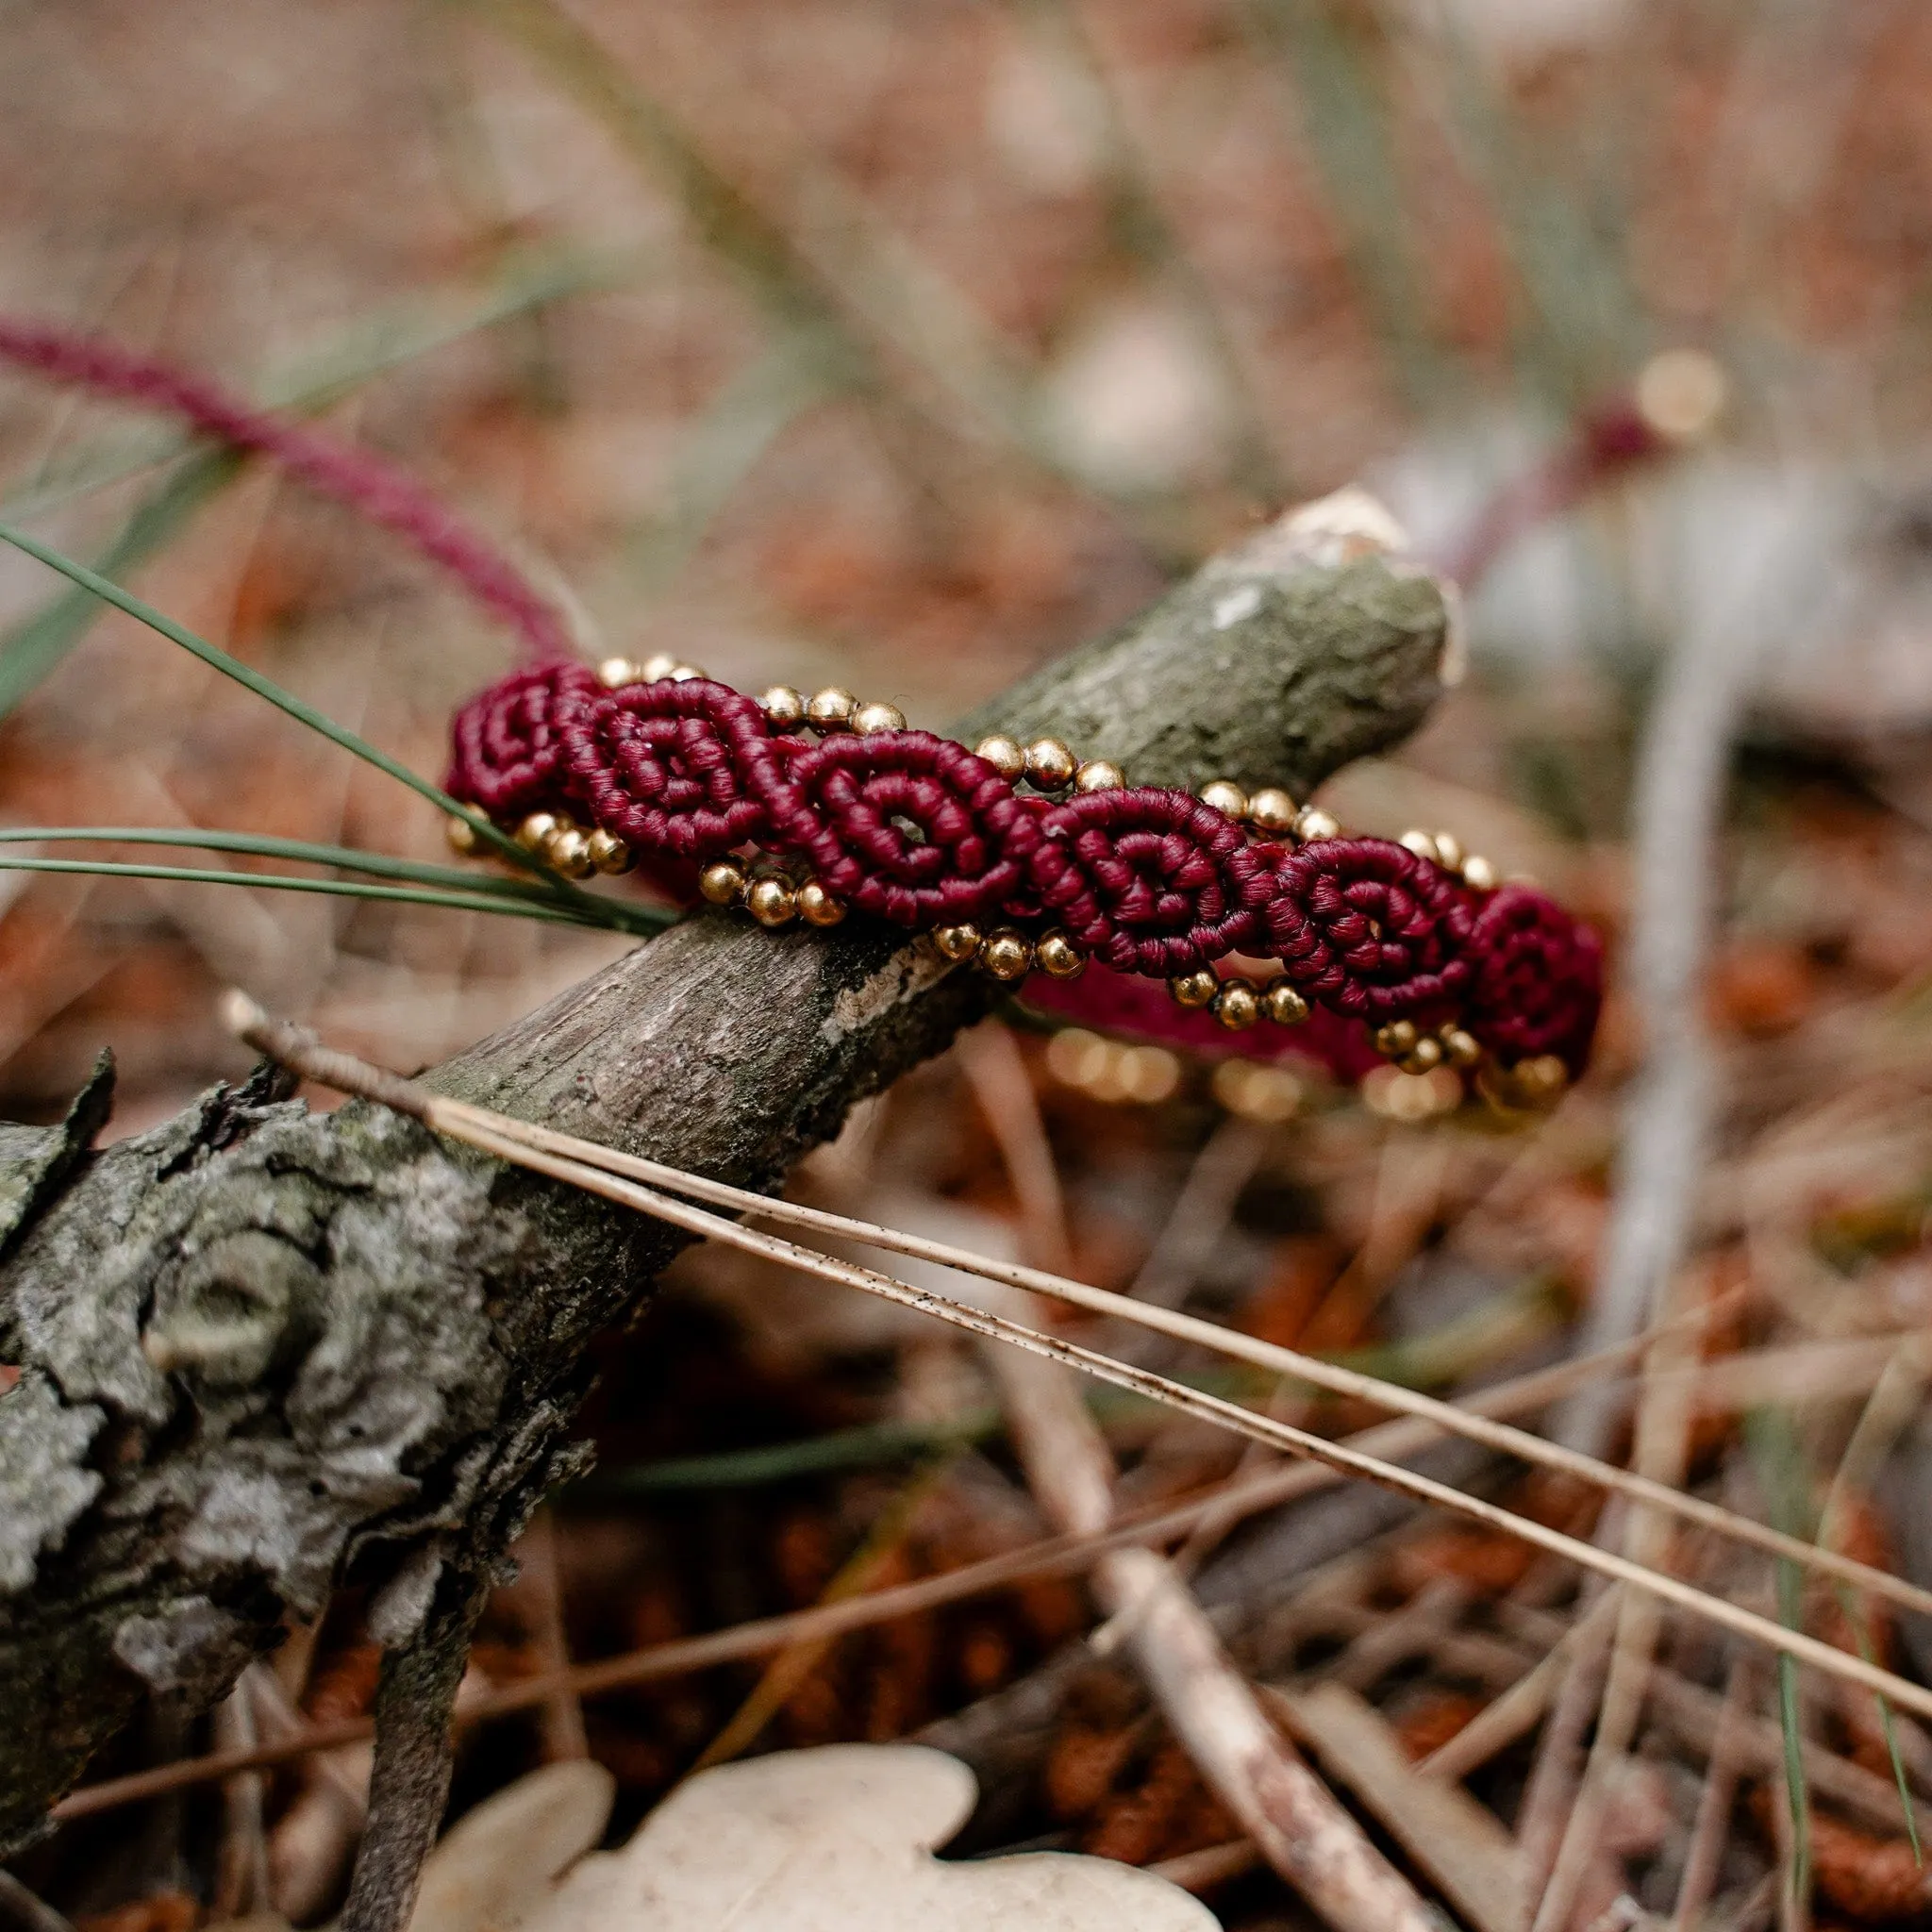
(1025, 860)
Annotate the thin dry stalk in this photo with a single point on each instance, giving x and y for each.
(1545, 1810)
(1865, 1360)
(1294, 1820)
(299, 1050)
(1521, 1708)
(338, 1744)
(1661, 1452)
(539, 1590)
(1710, 1828)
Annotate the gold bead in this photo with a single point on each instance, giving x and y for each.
(1004, 956)
(1422, 844)
(610, 853)
(536, 828)
(1284, 1005)
(662, 665)
(1449, 850)
(871, 718)
(1313, 822)
(831, 709)
(1424, 1057)
(1235, 1005)
(569, 850)
(956, 943)
(1271, 810)
(1194, 989)
(1396, 1039)
(615, 672)
(1464, 1049)
(1227, 797)
(463, 837)
(1544, 1078)
(1058, 958)
(1479, 873)
(1049, 764)
(1099, 775)
(817, 907)
(1004, 755)
(770, 901)
(722, 884)
(784, 707)
(1529, 1085)
(683, 673)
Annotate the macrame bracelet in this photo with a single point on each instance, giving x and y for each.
(1027, 859)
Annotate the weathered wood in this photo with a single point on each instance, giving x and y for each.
(262, 1351)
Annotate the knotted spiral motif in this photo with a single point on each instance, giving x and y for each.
(506, 755)
(684, 769)
(908, 827)
(1537, 980)
(918, 830)
(1368, 927)
(1151, 881)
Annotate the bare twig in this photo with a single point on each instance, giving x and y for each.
(1295, 1822)
(409, 1784)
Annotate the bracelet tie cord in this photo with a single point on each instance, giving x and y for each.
(806, 809)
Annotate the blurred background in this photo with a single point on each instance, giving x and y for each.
(903, 345)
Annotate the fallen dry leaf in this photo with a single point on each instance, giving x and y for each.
(839, 1840)
(493, 1868)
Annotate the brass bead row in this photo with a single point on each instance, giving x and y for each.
(578, 852)
(772, 898)
(1006, 955)
(1445, 849)
(1238, 1003)
(831, 709)
(615, 672)
(1530, 1085)
(1417, 1051)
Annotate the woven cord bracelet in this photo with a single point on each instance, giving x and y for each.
(1027, 859)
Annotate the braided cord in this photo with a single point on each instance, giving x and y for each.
(917, 830)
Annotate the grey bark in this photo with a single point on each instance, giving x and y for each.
(262, 1351)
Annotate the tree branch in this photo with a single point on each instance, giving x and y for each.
(262, 1351)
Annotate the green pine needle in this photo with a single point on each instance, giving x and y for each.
(287, 882)
(344, 857)
(303, 713)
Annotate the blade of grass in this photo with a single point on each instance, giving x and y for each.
(1780, 1460)
(346, 858)
(287, 882)
(304, 713)
(1861, 1636)
(38, 645)
(46, 638)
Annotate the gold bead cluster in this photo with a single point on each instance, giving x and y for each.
(1239, 1003)
(578, 852)
(770, 894)
(1005, 954)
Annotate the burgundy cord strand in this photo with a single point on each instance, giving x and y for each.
(1150, 882)
(364, 481)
